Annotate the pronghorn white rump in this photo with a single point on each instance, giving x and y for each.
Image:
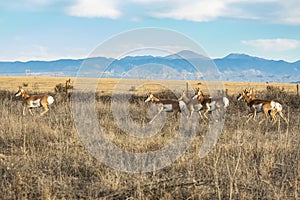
(34, 101)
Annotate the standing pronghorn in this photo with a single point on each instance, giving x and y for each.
(211, 103)
(192, 104)
(276, 107)
(35, 101)
(167, 105)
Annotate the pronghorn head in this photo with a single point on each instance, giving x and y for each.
(150, 98)
(196, 90)
(243, 95)
(198, 94)
(20, 92)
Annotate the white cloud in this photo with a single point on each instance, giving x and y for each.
(207, 10)
(198, 11)
(289, 12)
(95, 8)
(278, 44)
(274, 11)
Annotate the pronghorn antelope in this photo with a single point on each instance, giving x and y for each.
(167, 105)
(276, 107)
(269, 107)
(192, 104)
(35, 101)
(211, 103)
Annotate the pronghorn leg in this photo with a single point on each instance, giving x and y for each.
(254, 114)
(201, 114)
(250, 116)
(283, 117)
(205, 114)
(218, 113)
(273, 115)
(176, 114)
(45, 110)
(161, 109)
(266, 116)
(206, 111)
(190, 115)
(24, 108)
(191, 109)
(30, 111)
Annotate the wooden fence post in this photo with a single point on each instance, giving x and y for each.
(186, 88)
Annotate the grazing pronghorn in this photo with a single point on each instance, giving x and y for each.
(192, 104)
(211, 103)
(276, 107)
(167, 105)
(35, 101)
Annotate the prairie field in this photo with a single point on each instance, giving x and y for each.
(106, 85)
(44, 157)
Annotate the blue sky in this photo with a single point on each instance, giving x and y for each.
(54, 29)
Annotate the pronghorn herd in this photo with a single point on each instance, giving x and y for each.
(199, 102)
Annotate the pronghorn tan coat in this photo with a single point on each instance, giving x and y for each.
(34, 101)
(275, 107)
(162, 103)
(210, 103)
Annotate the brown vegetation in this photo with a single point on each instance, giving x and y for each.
(44, 158)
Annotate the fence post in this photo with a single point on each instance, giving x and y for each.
(297, 89)
(186, 88)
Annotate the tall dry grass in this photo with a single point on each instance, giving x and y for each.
(43, 157)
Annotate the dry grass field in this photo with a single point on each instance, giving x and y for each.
(44, 157)
(106, 86)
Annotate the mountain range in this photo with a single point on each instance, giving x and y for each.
(234, 67)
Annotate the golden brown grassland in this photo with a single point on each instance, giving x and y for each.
(43, 157)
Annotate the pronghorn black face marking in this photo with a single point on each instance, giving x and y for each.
(18, 93)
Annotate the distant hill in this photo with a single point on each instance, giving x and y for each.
(234, 67)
